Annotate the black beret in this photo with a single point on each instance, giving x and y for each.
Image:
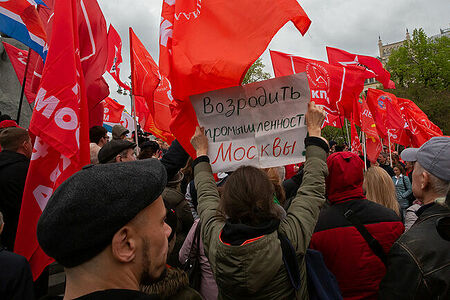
(113, 148)
(87, 209)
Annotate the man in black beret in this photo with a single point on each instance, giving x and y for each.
(106, 226)
(117, 151)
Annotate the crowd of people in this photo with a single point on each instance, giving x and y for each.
(146, 221)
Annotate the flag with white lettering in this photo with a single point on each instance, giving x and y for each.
(60, 123)
(115, 56)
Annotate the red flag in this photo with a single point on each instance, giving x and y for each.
(147, 82)
(94, 53)
(373, 67)
(387, 115)
(335, 88)
(333, 120)
(112, 111)
(18, 58)
(209, 45)
(373, 143)
(60, 123)
(115, 56)
(421, 128)
(35, 63)
(356, 143)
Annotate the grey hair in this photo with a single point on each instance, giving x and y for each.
(1, 218)
(439, 186)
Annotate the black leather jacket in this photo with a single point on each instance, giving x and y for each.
(419, 261)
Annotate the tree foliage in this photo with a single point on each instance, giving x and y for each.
(421, 70)
(256, 73)
(421, 61)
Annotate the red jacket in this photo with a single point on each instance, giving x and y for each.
(346, 253)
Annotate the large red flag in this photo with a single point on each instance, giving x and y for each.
(113, 111)
(60, 123)
(115, 56)
(18, 58)
(334, 87)
(373, 143)
(421, 128)
(209, 45)
(373, 67)
(387, 115)
(148, 83)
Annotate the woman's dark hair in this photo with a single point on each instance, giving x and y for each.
(400, 167)
(148, 149)
(248, 197)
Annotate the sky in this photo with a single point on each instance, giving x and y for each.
(351, 25)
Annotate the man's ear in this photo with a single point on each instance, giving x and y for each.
(118, 158)
(123, 244)
(425, 180)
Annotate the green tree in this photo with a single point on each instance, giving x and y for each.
(421, 61)
(256, 73)
(421, 70)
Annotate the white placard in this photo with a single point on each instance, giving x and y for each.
(260, 124)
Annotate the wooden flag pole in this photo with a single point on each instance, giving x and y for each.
(365, 151)
(390, 152)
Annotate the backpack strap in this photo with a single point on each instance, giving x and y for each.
(290, 261)
(373, 243)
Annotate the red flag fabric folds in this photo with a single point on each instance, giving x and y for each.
(356, 143)
(373, 143)
(209, 45)
(147, 82)
(373, 67)
(60, 123)
(421, 128)
(115, 56)
(333, 87)
(19, 58)
(112, 110)
(387, 115)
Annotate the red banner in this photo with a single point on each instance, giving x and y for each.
(373, 143)
(148, 83)
(112, 111)
(60, 123)
(18, 58)
(115, 56)
(333, 87)
(387, 115)
(373, 67)
(209, 45)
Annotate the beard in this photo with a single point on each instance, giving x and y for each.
(146, 277)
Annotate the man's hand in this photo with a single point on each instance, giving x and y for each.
(199, 141)
(314, 119)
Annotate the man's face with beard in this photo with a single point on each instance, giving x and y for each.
(154, 233)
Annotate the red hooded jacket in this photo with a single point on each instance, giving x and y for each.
(346, 253)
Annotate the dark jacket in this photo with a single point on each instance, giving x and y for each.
(346, 253)
(16, 281)
(419, 261)
(174, 286)
(13, 172)
(114, 294)
(254, 269)
(173, 199)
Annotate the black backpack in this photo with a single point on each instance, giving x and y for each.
(322, 284)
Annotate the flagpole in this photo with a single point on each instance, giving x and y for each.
(390, 152)
(348, 135)
(133, 102)
(133, 112)
(364, 149)
(22, 92)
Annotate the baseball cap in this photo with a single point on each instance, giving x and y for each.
(433, 156)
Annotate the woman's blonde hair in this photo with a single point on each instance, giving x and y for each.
(380, 188)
